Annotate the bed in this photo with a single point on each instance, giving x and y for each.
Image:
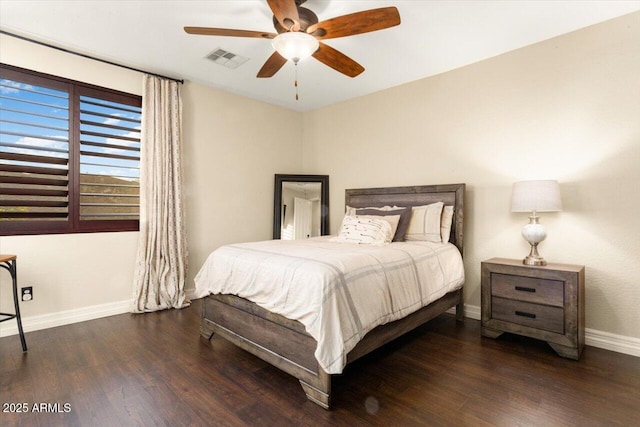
(290, 344)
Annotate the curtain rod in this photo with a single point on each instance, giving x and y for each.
(88, 56)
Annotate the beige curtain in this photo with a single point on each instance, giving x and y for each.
(160, 272)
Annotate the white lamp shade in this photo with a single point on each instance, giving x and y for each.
(295, 46)
(539, 196)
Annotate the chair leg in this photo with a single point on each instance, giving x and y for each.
(14, 276)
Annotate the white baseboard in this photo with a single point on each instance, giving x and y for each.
(470, 311)
(51, 320)
(67, 317)
(594, 338)
(613, 342)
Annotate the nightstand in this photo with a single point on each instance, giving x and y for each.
(543, 302)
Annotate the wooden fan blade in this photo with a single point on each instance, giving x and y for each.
(286, 12)
(273, 64)
(356, 23)
(337, 60)
(206, 31)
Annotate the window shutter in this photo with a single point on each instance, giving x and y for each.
(69, 155)
(109, 159)
(34, 152)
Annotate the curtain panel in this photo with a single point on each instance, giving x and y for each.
(161, 262)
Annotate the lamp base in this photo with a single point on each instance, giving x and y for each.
(529, 260)
(534, 233)
(534, 257)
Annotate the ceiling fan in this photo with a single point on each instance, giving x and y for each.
(299, 34)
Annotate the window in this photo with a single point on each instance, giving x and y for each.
(69, 155)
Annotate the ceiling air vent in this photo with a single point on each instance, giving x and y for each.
(226, 59)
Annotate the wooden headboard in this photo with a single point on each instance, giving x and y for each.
(450, 194)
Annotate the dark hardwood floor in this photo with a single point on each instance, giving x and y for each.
(154, 370)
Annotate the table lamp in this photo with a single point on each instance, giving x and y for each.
(534, 197)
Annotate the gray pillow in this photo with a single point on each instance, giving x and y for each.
(403, 224)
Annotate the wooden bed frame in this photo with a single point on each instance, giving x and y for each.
(285, 344)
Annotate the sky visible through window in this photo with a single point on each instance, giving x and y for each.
(34, 120)
(123, 124)
(36, 140)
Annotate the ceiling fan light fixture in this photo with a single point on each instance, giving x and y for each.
(295, 46)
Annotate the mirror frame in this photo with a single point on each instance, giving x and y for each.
(324, 200)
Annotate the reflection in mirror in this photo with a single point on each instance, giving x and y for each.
(300, 206)
(302, 218)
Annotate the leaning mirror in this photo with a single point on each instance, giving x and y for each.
(301, 206)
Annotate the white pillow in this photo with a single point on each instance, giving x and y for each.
(446, 222)
(369, 231)
(425, 223)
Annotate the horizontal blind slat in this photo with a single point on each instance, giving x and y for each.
(109, 126)
(61, 95)
(105, 145)
(27, 101)
(109, 116)
(34, 202)
(108, 155)
(32, 169)
(108, 194)
(35, 148)
(32, 180)
(32, 192)
(120, 107)
(30, 158)
(110, 136)
(35, 136)
(95, 184)
(35, 125)
(33, 113)
(34, 215)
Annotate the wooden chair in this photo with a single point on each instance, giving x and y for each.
(8, 262)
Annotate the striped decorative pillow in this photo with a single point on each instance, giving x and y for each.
(425, 223)
(365, 231)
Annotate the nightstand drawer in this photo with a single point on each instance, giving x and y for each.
(528, 289)
(527, 314)
(543, 302)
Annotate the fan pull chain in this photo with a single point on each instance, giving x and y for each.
(295, 81)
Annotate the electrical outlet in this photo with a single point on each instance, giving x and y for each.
(27, 293)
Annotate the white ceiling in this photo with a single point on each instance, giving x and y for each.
(434, 36)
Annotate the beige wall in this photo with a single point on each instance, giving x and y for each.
(567, 109)
(233, 146)
(71, 271)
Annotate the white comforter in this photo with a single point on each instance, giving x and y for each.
(338, 291)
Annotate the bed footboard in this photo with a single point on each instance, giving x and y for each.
(275, 339)
(286, 345)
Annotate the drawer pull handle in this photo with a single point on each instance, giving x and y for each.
(522, 288)
(525, 314)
